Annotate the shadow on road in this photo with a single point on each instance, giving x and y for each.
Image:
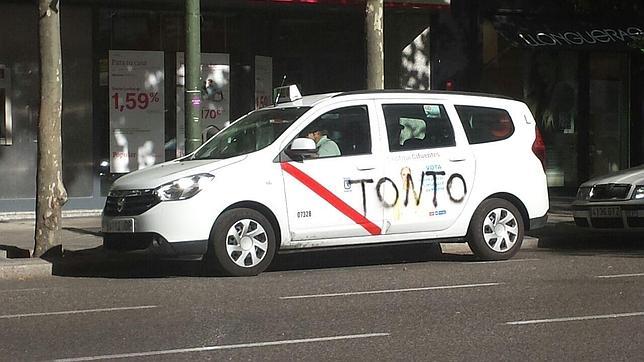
(101, 264)
(569, 239)
(562, 238)
(84, 231)
(366, 256)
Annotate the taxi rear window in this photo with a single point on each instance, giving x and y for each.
(485, 124)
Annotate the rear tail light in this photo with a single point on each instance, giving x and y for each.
(539, 148)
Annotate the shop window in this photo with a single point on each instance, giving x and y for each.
(134, 29)
(5, 107)
(417, 126)
(483, 124)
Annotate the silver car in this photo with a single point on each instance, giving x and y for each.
(613, 201)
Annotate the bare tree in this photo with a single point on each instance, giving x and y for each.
(375, 45)
(50, 194)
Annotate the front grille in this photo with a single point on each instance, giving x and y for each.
(130, 202)
(607, 223)
(610, 192)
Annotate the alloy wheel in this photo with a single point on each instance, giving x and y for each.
(500, 230)
(246, 243)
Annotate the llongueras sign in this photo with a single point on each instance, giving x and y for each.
(581, 38)
(545, 33)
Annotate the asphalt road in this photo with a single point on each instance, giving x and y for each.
(394, 303)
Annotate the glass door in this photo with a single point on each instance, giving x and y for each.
(609, 113)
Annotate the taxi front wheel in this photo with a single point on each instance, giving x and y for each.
(242, 243)
(496, 230)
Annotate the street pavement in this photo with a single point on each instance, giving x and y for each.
(399, 303)
(569, 294)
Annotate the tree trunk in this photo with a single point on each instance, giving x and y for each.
(375, 48)
(50, 192)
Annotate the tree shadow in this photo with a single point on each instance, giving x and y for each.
(14, 252)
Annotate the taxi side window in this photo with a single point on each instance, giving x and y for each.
(484, 124)
(417, 126)
(341, 132)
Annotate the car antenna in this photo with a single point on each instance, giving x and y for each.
(279, 92)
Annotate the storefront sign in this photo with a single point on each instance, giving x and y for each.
(263, 81)
(215, 95)
(586, 37)
(137, 109)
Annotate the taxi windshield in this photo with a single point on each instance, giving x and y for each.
(250, 133)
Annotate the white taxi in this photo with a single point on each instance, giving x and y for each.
(342, 169)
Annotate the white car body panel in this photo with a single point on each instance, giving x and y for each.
(633, 176)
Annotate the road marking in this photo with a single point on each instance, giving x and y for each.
(9, 316)
(390, 291)
(573, 319)
(25, 290)
(44, 289)
(230, 346)
(621, 275)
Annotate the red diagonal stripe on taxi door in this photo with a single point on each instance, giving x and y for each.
(329, 197)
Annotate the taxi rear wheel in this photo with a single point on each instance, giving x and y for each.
(242, 243)
(496, 230)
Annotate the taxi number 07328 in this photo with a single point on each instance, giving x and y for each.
(301, 214)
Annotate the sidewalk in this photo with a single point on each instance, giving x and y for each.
(17, 244)
(83, 235)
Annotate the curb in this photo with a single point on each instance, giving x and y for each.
(19, 269)
(31, 215)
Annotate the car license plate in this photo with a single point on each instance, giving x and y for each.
(605, 211)
(119, 226)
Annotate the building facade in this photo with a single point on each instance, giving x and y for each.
(122, 76)
(578, 65)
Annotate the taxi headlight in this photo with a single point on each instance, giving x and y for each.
(583, 193)
(638, 193)
(183, 188)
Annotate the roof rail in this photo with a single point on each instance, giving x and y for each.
(415, 91)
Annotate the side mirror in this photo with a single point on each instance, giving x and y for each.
(303, 146)
(300, 148)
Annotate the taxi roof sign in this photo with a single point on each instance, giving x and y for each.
(285, 94)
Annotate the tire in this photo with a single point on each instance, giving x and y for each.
(242, 243)
(496, 230)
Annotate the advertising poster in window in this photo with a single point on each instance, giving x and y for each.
(137, 109)
(215, 96)
(263, 81)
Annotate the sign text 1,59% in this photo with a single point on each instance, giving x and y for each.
(134, 100)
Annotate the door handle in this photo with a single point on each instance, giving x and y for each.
(365, 167)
